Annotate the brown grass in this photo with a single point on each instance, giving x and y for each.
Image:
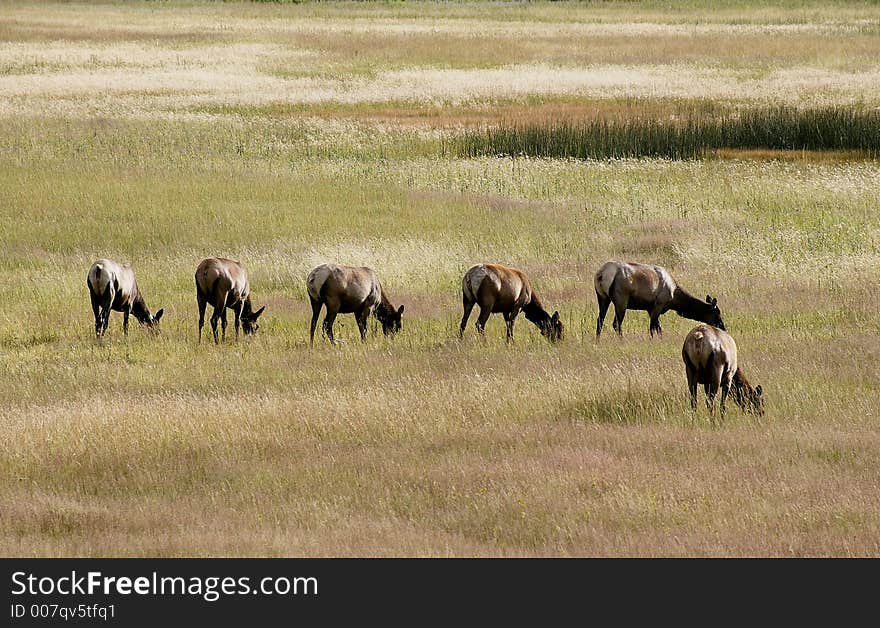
(424, 445)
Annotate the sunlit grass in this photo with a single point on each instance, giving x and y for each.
(423, 444)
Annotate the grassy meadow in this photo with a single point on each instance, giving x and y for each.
(289, 135)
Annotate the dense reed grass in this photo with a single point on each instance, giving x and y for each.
(691, 136)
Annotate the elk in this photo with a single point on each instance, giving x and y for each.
(496, 288)
(649, 288)
(224, 284)
(710, 359)
(113, 287)
(350, 290)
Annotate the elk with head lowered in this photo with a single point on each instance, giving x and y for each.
(508, 291)
(710, 358)
(350, 290)
(649, 288)
(113, 287)
(224, 284)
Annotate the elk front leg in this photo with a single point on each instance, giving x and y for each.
(237, 311)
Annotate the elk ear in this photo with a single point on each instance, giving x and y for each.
(555, 317)
(400, 311)
(158, 315)
(256, 314)
(759, 391)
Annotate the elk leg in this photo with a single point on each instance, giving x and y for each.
(96, 309)
(604, 302)
(710, 400)
(125, 315)
(468, 308)
(237, 311)
(215, 318)
(485, 312)
(619, 313)
(714, 384)
(219, 312)
(316, 311)
(105, 311)
(655, 325)
(510, 319)
(725, 390)
(361, 319)
(328, 324)
(692, 388)
(203, 303)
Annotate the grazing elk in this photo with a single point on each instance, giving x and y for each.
(496, 288)
(350, 290)
(224, 284)
(710, 359)
(649, 288)
(113, 287)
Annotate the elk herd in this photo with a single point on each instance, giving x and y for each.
(709, 351)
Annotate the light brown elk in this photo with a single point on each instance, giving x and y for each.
(224, 284)
(113, 287)
(649, 288)
(350, 290)
(508, 291)
(710, 359)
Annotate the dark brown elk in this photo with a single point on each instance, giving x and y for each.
(350, 290)
(113, 287)
(710, 359)
(651, 289)
(224, 284)
(508, 291)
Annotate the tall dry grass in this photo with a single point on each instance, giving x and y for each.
(422, 445)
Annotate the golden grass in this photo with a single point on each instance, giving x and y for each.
(161, 134)
(153, 61)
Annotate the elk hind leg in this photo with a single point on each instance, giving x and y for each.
(361, 320)
(203, 303)
(483, 318)
(219, 313)
(96, 310)
(316, 312)
(604, 302)
(106, 303)
(329, 319)
(468, 308)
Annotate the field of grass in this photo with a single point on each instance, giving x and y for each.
(288, 135)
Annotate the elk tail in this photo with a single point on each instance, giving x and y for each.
(599, 283)
(95, 281)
